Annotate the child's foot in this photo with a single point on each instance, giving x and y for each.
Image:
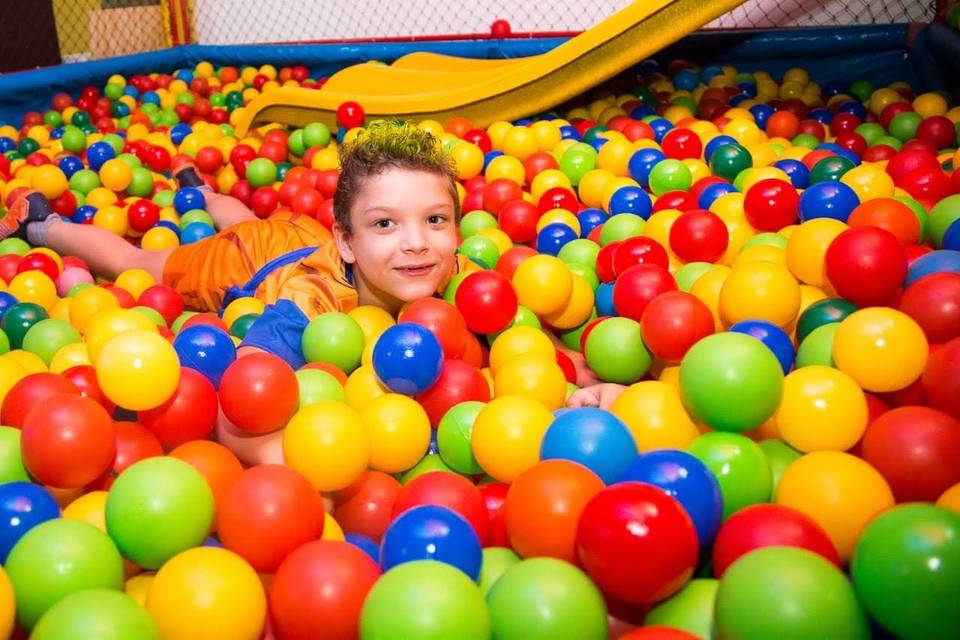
(30, 207)
(187, 176)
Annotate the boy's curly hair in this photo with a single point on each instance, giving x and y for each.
(384, 145)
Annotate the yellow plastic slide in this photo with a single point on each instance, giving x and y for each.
(425, 85)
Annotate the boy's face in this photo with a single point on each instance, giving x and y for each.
(404, 238)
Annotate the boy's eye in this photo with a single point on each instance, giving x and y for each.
(383, 223)
(437, 219)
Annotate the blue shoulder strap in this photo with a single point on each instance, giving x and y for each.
(250, 288)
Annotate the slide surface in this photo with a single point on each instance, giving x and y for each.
(425, 85)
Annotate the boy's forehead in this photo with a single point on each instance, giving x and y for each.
(403, 188)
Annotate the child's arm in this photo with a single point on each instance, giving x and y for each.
(598, 395)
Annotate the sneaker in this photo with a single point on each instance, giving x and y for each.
(186, 176)
(32, 206)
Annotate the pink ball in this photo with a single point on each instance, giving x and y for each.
(71, 277)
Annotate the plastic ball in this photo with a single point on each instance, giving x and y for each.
(47, 337)
(258, 393)
(207, 592)
(327, 443)
(880, 348)
(205, 349)
(759, 291)
(672, 323)
(407, 358)
(655, 415)
(540, 275)
(33, 391)
(630, 520)
(430, 532)
(100, 613)
(740, 466)
(807, 247)
(866, 265)
(823, 409)
(615, 350)
(592, 437)
(934, 303)
(335, 338)
(686, 614)
(18, 319)
(138, 370)
(189, 414)
(23, 506)
(699, 236)
(507, 435)
(487, 301)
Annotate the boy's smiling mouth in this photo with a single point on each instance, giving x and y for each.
(415, 270)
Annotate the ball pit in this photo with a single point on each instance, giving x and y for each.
(763, 271)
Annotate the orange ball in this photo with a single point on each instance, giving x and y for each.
(783, 124)
(217, 464)
(889, 214)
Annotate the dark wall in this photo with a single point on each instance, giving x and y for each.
(28, 35)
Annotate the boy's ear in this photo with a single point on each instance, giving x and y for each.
(342, 238)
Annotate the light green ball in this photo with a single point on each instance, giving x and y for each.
(335, 338)
(48, 336)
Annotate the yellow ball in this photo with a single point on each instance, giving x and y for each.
(930, 104)
(500, 238)
(559, 216)
(113, 219)
(881, 98)
(135, 282)
(109, 324)
(543, 284)
(89, 508)
(88, 303)
(807, 246)
(34, 286)
(101, 197)
(533, 376)
(592, 187)
(138, 370)
(517, 341)
(577, 309)
(11, 372)
(159, 239)
(841, 492)
(209, 593)
(950, 499)
(707, 289)
(869, 182)
(882, 349)
(658, 226)
(654, 413)
(497, 132)
(362, 387)
(49, 180)
(31, 362)
(614, 156)
(507, 434)
(822, 409)
(327, 442)
(372, 320)
(547, 134)
(759, 291)
(399, 432)
(115, 174)
(332, 531)
(8, 606)
(68, 356)
(520, 142)
(138, 586)
(761, 253)
(241, 307)
(548, 179)
(467, 159)
(506, 167)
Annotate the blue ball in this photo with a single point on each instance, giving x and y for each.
(775, 339)
(83, 214)
(23, 505)
(212, 541)
(951, 237)
(686, 478)
(660, 128)
(196, 231)
(150, 96)
(553, 237)
(641, 112)
(489, 156)
(188, 199)
(179, 132)
(365, 544)
(761, 113)
(631, 200)
(98, 153)
(855, 107)
(431, 532)
(797, 171)
(7, 300)
(407, 358)
(821, 115)
(933, 262)
(686, 80)
(7, 144)
(604, 302)
(169, 225)
(70, 165)
(56, 134)
(712, 192)
(642, 163)
(593, 437)
(715, 143)
(206, 349)
(569, 132)
(590, 219)
(597, 143)
(828, 200)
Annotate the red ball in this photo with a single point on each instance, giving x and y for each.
(319, 590)
(558, 198)
(673, 322)
(771, 205)
(84, 378)
(927, 184)
(934, 302)
(209, 159)
(449, 490)
(65, 204)
(939, 130)
(537, 162)
(473, 201)
(259, 393)
(500, 29)
(350, 115)
(498, 193)
(479, 137)
(658, 633)
(443, 320)
(459, 382)
(638, 250)
(941, 378)
(904, 162)
(158, 158)
(143, 215)
(487, 301)
(604, 264)
(681, 143)
(680, 200)
(636, 542)
(189, 414)
(844, 123)
(326, 182)
(240, 157)
(508, 262)
(39, 262)
(268, 512)
(916, 449)
(866, 265)
(307, 202)
(164, 300)
(134, 443)
(68, 442)
(264, 201)
(518, 219)
(31, 392)
(879, 153)
(366, 506)
(891, 111)
(495, 497)
(124, 298)
(636, 287)
(699, 236)
(769, 525)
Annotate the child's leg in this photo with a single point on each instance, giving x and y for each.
(106, 254)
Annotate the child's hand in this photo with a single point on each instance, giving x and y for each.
(598, 395)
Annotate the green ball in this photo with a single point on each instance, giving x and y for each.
(671, 175)
(84, 181)
(141, 182)
(429, 462)
(765, 239)
(689, 273)
(11, 461)
(316, 134)
(496, 561)
(586, 272)
(942, 215)
(130, 160)
(805, 140)
(571, 338)
(52, 118)
(728, 160)
(481, 250)
(616, 353)
(476, 221)
(548, 599)
(620, 227)
(890, 141)
(730, 381)
(862, 89)
(316, 385)
(57, 558)
(164, 198)
(579, 251)
(817, 347)
(919, 211)
(450, 292)
(15, 246)
(242, 324)
(426, 600)
(906, 570)
(4, 343)
(453, 437)
(169, 118)
(80, 118)
(74, 139)
(113, 90)
(690, 609)
(18, 320)
(822, 312)
(295, 143)
(904, 125)
(46, 337)
(524, 318)
(830, 170)
(335, 338)
(261, 172)
(185, 98)
(77, 288)
(575, 163)
(96, 613)
(780, 455)
(740, 466)
(28, 146)
(115, 141)
(152, 314)
(157, 508)
(195, 215)
(787, 593)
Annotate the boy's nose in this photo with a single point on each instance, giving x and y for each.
(414, 239)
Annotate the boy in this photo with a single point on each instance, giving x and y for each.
(394, 240)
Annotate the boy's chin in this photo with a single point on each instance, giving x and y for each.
(413, 292)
